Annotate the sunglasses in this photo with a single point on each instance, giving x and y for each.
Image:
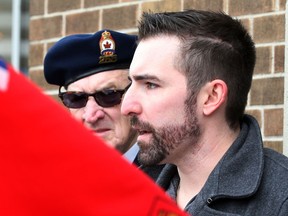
(105, 98)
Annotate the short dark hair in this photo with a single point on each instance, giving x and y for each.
(213, 46)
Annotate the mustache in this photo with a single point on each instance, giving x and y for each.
(135, 122)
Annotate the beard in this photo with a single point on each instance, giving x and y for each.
(168, 137)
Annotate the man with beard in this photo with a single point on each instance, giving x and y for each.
(191, 74)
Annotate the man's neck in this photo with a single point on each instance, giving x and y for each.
(196, 166)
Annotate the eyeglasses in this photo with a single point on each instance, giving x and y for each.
(105, 98)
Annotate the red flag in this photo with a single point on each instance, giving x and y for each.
(52, 165)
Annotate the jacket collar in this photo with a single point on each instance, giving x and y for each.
(239, 172)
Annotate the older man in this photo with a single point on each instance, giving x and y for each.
(91, 71)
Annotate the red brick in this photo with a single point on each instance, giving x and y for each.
(63, 5)
(267, 91)
(282, 5)
(36, 54)
(264, 60)
(269, 29)
(162, 6)
(246, 7)
(120, 18)
(45, 28)
(273, 119)
(82, 22)
(93, 3)
(36, 7)
(215, 5)
(279, 59)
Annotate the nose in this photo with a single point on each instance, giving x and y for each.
(92, 111)
(130, 104)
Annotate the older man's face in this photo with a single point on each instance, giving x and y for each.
(106, 122)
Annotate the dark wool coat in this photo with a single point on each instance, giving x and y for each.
(248, 180)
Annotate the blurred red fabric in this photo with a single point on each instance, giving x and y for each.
(52, 165)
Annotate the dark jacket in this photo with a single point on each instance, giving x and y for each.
(248, 180)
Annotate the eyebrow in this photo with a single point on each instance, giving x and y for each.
(144, 77)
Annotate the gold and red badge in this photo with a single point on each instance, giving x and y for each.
(107, 48)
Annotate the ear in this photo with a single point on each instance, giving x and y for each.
(215, 95)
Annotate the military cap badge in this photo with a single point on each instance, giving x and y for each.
(107, 48)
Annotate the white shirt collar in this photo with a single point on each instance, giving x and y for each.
(130, 155)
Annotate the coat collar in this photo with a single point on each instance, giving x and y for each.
(239, 172)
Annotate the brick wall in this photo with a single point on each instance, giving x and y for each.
(265, 20)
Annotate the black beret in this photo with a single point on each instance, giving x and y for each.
(77, 56)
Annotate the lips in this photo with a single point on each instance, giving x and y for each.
(101, 130)
(141, 127)
(141, 132)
